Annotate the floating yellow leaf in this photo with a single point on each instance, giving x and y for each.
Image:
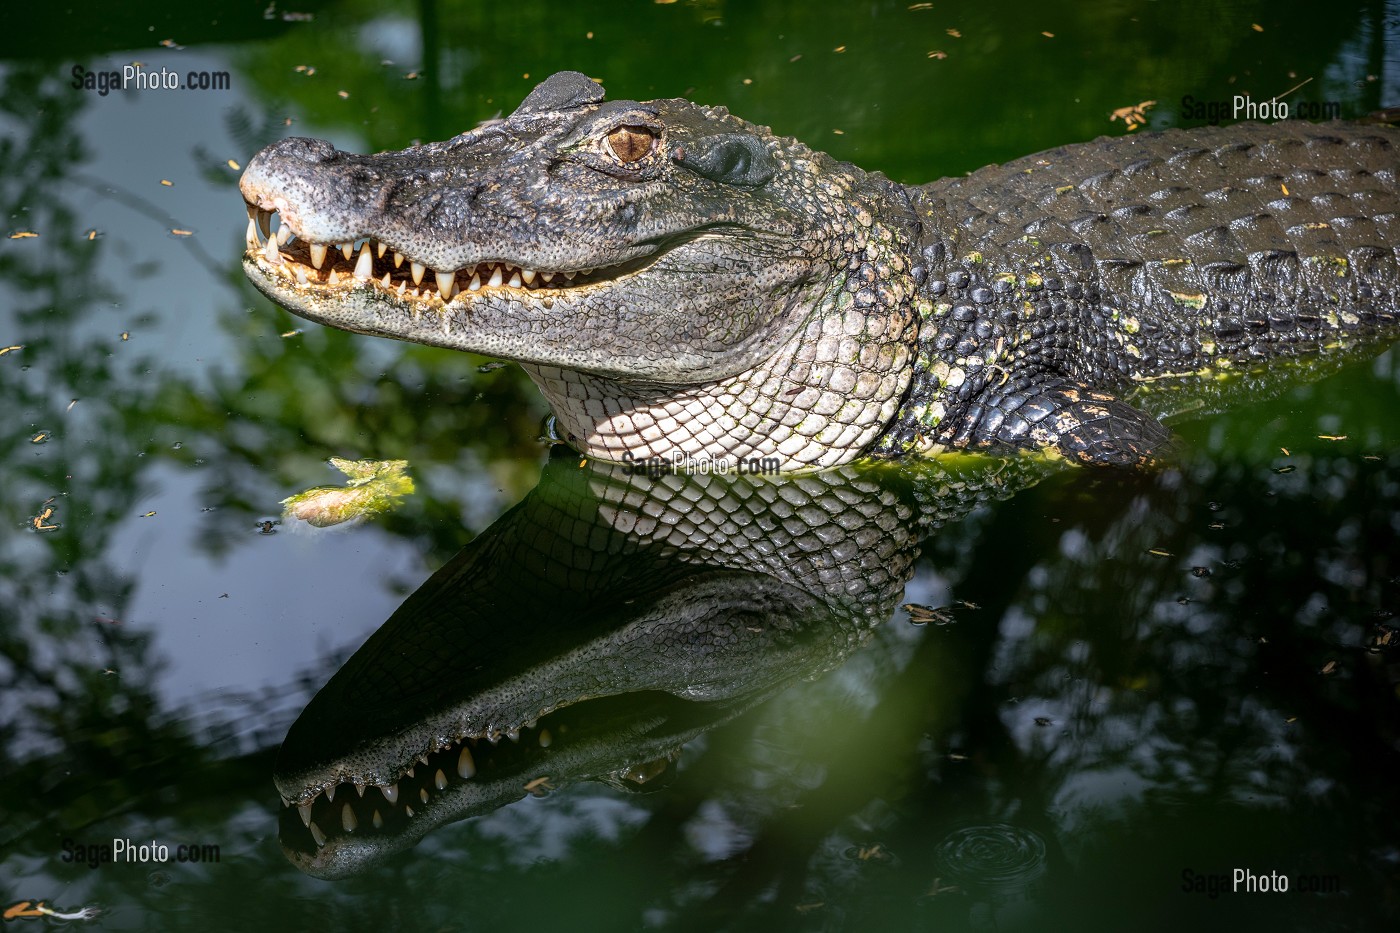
(375, 487)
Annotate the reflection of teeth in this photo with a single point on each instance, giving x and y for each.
(466, 767)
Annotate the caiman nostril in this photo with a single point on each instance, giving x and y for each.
(311, 150)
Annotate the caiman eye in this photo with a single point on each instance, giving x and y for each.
(631, 143)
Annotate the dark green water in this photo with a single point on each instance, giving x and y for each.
(1191, 672)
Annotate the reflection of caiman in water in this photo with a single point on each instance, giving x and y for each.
(597, 627)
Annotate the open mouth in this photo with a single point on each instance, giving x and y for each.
(519, 757)
(370, 262)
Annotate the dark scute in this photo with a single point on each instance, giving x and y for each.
(732, 158)
(562, 91)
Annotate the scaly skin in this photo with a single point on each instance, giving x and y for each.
(740, 297)
(596, 628)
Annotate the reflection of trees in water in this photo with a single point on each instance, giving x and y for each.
(1185, 706)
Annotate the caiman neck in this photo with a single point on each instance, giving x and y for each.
(819, 400)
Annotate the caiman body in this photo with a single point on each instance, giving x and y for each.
(683, 285)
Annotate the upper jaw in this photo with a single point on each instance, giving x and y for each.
(279, 253)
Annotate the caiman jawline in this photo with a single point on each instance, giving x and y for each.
(350, 807)
(368, 261)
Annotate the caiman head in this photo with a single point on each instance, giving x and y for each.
(676, 280)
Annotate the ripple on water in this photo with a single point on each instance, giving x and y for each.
(992, 858)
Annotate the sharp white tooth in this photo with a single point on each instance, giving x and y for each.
(379, 251)
(475, 283)
(494, 738)
(333, 279)
(265, 222)
(386, 282)
(398, 259)
(301, 276)
(316, 834)
(270, 252)
(402, 285)
(513, 734)
(252, 236)
(347, 250)
(330, 794)
(570, 275)
(423, 758)
(411, 769)
(545, 738)
(547, 277)
(347, 819)
(252, 211)
(447, 287)
(364, 266)
(318, 254)
(495, 276)
(585, 272)
(286, 801)
(439, 779)
(532, 723)
(305, 810)
(423, 794)
(528, 275)
(284, 233)
(417, 270)
(514, 280)
(407, 809)
(360, 789)
(378, 820)
(391, 793)
(466, 765)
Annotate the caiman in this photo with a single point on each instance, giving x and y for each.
(686, 286)
(596, 628)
